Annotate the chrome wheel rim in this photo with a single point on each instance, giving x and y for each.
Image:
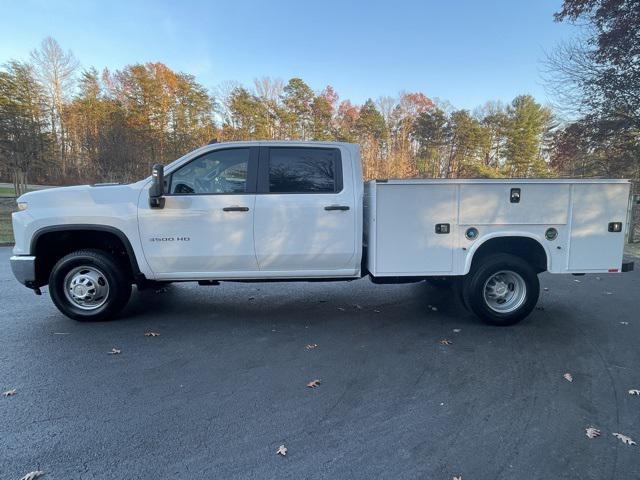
(86, 287)
(505, 291)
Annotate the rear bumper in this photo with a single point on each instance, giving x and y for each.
(627, 267)
(24, 269)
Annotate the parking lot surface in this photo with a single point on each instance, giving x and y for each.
(225, 384)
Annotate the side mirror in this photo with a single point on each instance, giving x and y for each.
(156, 191)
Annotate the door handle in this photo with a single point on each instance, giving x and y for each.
(235, 209)
(337, 207)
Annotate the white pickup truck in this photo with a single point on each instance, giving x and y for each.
(284, 211)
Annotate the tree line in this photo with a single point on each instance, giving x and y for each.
(595, 80)
(61, 124)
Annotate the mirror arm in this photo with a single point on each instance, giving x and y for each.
(156, 202)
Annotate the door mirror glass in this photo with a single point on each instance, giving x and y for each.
(156, 191)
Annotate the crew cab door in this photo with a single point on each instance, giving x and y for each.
(305, 218)
(205, 229)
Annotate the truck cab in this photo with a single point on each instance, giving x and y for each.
(284, 211)
(277, 210)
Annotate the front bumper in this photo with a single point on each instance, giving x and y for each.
(24, 269)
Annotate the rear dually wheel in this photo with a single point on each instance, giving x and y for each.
(502, 290)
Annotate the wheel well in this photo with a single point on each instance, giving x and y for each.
(50, 246)
(526, 248)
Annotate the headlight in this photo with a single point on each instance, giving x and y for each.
(22, 206)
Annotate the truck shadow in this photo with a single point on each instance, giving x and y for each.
(300, 303)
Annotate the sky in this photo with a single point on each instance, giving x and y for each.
(462, 51)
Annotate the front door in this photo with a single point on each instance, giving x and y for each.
(206, 226)
(305, 217)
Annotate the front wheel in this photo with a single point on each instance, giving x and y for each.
(502, 290)
(89, 285)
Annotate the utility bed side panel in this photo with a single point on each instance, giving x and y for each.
(402, 216)
(406, 240)
(489, 204)
(591, 246)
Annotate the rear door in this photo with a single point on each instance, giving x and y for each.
(305, 215)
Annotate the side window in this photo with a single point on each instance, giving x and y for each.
(220, 171)
(304, 170)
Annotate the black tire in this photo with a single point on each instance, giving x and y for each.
(457, 291)
(519, 281)
(99, 268)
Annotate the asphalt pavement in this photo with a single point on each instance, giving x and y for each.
(225, 384)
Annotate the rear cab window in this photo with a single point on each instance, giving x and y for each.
(303, 170)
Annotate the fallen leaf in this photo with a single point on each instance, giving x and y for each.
(9, 393)
(444, 341)
(545, 289)
(61, 333)
(568, 377)
(359, 307)
(431, 307)
(598, 278)
(313, 383)
(592, 432)
(376, 311)
(457, 330)
(458, 478)
(251, 299)
(311, 346)
(341, 309)
(33, 475)
(624, 323)
(624, 439)
(151, 334)
(282, 450)
(578, 281)
(608, 293)
(634, 392)
(115, 351)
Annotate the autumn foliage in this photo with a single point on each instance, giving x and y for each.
(61, 124)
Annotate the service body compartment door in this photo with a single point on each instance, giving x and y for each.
(592, 246)
(490, 204)
(406, 220)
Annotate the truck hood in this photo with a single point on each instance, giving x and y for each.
(83, 195)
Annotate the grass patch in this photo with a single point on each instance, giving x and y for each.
(6, 232)
(7, 192)
(7, 206)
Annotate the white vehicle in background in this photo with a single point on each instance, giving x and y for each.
(286, 211)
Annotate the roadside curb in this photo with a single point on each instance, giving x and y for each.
(6, 244)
